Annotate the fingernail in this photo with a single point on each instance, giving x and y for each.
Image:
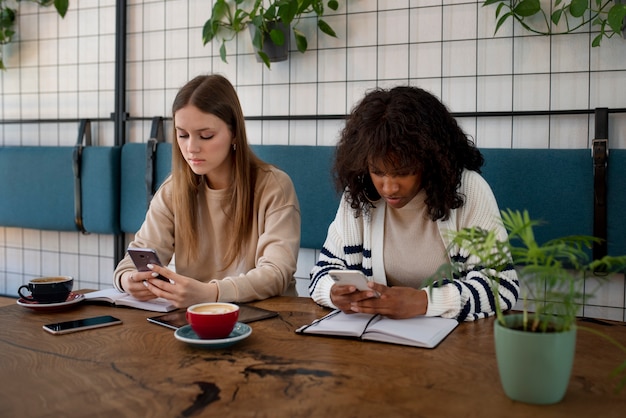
(150, 266)
(145, 283)
(172, 281)
(155, 274)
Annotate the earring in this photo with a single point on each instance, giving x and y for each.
(234, 147)
(368, 188)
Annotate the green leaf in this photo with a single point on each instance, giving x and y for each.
(265, 58)
(287, 11)
(207, 32)
(527, 8)
(596, 41)
(325, 27)
(333, 4)
(499, 9)
(490, 2)
(577, 8)
(223, 52)
(301, 42)
(616, 16)
(277, 36)
(62, 6)
(502, 20)
(556, 16)
(220, 8)
(257, 39)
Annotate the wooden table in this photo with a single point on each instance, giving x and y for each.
(139, 369)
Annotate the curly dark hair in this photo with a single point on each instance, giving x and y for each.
(411, 130)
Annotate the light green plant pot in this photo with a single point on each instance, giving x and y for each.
(534, 367)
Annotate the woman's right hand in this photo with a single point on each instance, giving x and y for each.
(133, 283)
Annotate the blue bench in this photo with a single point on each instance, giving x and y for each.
(37, 187)
(616, 202)
(554, 185)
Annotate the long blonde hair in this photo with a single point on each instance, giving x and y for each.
(214, 94)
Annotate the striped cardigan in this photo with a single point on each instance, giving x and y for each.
(356, 243)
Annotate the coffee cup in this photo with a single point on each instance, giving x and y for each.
(51, 289)
(212, 320)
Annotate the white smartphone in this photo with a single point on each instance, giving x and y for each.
(81, 324)
(351, 278)
(144, 256)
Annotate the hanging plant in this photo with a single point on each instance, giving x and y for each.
(8, 16)
(562, 17)
(229, 17)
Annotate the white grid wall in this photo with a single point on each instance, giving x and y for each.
(64, 69)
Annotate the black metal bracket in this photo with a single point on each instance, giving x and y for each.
(84, 140)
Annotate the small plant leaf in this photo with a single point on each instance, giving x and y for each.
(223, 52)
(265, 58)
(301, 42)
(577, 8)
(325, 27)
(596, 41)
(527, 8)
(207, 32)
(502, 20)
(61, 6)
(277, 36)
(333, 4)
(556, 16)
(616, 16)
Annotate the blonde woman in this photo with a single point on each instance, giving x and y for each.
(231, 220)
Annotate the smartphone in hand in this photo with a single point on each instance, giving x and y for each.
(351, 278)
(144, 256)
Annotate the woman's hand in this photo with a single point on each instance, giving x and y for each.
(132, 283)
(182, 291)
(344, 296)
(394, 302)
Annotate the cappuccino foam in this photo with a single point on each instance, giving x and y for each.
(213, 309)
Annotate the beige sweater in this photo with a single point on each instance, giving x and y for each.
(268, 261)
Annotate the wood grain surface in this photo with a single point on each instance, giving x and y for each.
(139, 369)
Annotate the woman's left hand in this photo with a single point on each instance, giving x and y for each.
(181, 290)
(394, 302)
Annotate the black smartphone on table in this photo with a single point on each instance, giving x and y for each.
(178, 319)
(144, 256)
(81, 324)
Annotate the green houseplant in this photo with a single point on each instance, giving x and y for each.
(552, 276)
(8, 16)
(562, 16)
(229, 17)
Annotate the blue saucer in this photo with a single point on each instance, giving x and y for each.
(187, 335)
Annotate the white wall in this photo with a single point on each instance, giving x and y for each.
(64, 68)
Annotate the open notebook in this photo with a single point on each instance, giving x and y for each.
(420, 331)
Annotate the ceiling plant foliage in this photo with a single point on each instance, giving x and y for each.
(561, 16)
(8, 17)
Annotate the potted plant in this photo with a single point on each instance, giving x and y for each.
(544, 19)
(535, 348)
(269, 22)
(8, 16)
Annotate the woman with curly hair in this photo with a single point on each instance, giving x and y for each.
(409, 174)
(231, 220)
